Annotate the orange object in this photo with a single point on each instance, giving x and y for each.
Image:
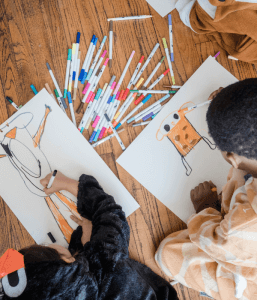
(121, 95)
(11, 261)
(114, 124)
(12, 133)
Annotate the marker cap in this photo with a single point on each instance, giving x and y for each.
(69, 54)
(104, 53)
(106, 61)
(169, 18)
(48, 67)
(166, 72)
(147, 98)
(95, 40)
(56, 93)
(164, 43)
(141, 59)
(78, 37)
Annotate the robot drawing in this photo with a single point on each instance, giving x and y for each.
(182, 134)
(25, 155)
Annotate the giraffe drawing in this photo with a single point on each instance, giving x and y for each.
(31, 163)
(182, 134)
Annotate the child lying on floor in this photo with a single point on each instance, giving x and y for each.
(96, 266)
(217, 254)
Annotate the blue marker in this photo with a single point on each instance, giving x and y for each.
(82, 72)
(71, 108)
(89, 60)
(96, 58)
(76, 56)
(134, 110)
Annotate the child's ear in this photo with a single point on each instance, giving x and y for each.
(234, 159)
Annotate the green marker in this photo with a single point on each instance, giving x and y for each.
(67, 74)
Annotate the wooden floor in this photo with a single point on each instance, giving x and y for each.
(39, 31)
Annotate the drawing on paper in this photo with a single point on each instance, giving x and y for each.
(30, 161)
(182, 134)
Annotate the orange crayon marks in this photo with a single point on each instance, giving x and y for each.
(61, 221)
(12, 133)
(183, 135)
(39, 133)
(69, 203)
(1, 156)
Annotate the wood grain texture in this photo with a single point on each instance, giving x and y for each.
(39, 31)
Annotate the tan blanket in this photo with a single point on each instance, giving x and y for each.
(234, 27)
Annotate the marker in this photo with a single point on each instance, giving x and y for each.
(105, 99)
(130, 18)
(132, 78)
(92, 107)
(13, 104)
(59, 100)
(232, 57)
(148, 109)
(110, 43)
(134, 110)
(76, 57)
(146, 63)
(153, 73)
(96, 58)
(156, 110)
(151, 86)
(153, 91)
(73, 61)
(171, 42)
(106, 139)
(82, 72)
(89, 60)
(168, 59)
(98, 127)
(172, 86)
(76, 77)
(51, 180)
(195, 106)
(49, 90)
(34, 89)
(117, 101)
(67, 73)
(71, 109)
(93, 81)
(115, 132)
(141, 124)
(51, 237)
(126, 104)
(71, 70)
(56, 85)
(99, 102)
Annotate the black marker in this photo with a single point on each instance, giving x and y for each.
(52, 179)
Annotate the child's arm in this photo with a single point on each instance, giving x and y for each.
(110, 228)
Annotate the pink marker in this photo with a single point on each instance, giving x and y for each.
(86, 88)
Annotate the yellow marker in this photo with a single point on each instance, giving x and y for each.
(168, 58)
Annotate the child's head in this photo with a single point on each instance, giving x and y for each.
(232, 122)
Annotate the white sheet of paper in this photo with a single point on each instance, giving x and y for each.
(157, 165)
(62, 147)
(163, 7)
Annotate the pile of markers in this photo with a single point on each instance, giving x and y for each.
(104, 112)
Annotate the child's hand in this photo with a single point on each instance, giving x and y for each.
(61, 183)
(215, 93)
(86, 228)
(204, 196)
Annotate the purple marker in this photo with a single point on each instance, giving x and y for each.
(171, 42)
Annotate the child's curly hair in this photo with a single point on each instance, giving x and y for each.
(232, 118)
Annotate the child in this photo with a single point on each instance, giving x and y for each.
(96, 266)
(217, 254)
(230, 23)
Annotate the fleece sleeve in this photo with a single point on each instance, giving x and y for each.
(110, 233)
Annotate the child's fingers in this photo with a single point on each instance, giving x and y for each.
(206, 186)
(76, 220)
(49, 191)
(192, 195)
